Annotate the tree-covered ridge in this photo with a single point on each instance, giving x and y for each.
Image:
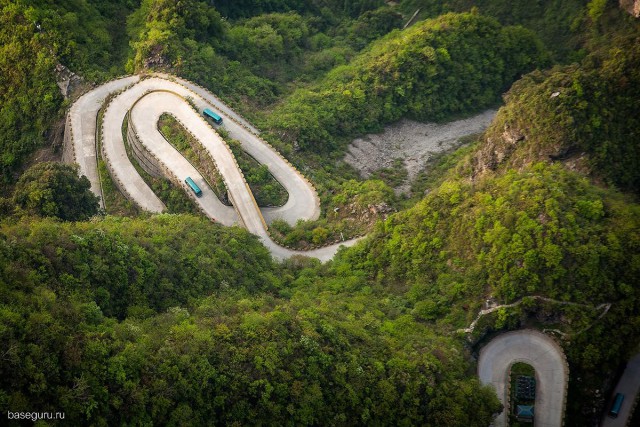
(540, 231)
(346, 343)
(85, 35)
(568, 112)
(135, 266)
(26, 107)
(253, 59)
(54, 190)
(558, 23)
(169, 319)
(165, 30)
(35, 36)
(439, 68)
(327, 9)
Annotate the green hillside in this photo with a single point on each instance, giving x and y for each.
(437, 69)
(174, 320)
(558, 23)
(584, 113)
(168, 318)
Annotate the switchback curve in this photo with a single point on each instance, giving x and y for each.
(548, 360)
(141, 101)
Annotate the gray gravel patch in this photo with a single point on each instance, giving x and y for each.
(413, 142)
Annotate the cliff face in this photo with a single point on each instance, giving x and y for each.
(631, 6)
(513, 144)
(582, 115)
(536, 124)
(67, 80)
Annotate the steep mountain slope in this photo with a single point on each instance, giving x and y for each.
(585, 115)
(162, 320)
(451, 65)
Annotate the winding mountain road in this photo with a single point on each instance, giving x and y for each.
(548, 360)
(141, 102)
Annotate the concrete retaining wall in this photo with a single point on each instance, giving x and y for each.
(144, 158)
(68, 155)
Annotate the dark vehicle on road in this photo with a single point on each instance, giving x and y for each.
(617, 404)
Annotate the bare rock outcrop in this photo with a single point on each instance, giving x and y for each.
(631, 6)
(67, 80)
(156, 59)
(497, 149)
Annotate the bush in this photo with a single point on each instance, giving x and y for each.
(54, 189)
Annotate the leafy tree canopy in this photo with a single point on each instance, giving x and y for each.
(585, 114)
(29, 97)
(438, 68)
(54, 189)
(103, 321)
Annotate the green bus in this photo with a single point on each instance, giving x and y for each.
(193, 186)
(617, 404)
(213, 116)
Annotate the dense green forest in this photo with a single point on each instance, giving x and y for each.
(455, 64)
(558, 23)
(34, 37)
(172, 320)
(542, 231)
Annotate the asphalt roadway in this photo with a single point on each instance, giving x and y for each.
(83, 115)
(539, 351)
(629, 385)
(147, 99)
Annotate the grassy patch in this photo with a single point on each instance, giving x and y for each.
(393, 176)
(266, 189)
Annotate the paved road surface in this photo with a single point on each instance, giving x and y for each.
(83, 115)
(300, 191)
(302, 203)
(629, 385)
(144, 117)
(147, 100)
(541, 352)
(211, 99)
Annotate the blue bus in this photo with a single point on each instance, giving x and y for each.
(617, 404)
(193, 186)
(213, 116)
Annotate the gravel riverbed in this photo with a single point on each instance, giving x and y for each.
(413, 142)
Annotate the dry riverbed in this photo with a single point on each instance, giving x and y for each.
(412, 142)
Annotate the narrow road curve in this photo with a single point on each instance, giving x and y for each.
(83, 120)
(548, 360)
(144, 118)
(143, 103)
(629, 385)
